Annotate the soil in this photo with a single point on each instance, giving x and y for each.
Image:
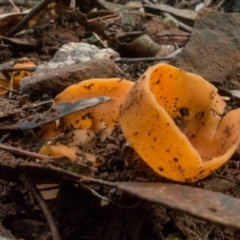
(81, 211)
(79, 214)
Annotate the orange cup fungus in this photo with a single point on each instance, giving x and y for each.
(173, 119)
(102, 116)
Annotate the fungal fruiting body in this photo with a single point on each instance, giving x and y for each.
(173, 119)
(99, 117)
(108, 112)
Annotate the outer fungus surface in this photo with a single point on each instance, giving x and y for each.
(173, 120)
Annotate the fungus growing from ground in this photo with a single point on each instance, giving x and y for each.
(99, 117)
(174, 120)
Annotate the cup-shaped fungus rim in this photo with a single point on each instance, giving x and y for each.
(172, 119)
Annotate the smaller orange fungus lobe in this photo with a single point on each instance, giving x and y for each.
(59, 150)
(102, 116)
(108, 112)
(173, 119)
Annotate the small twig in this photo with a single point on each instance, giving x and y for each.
(128, 34)
(12, 69)
(49, 218)
(219, 5)
(4, 137)
(107, 200)
(120, 70)
(28, 17)
(95, 193)
(142, 59)
(223, 170)
(48, 188)
(36, 104)
(173, 35)
(11, 86)
(25, 153)
(87, 179)
(17, 2)
(72, 4)
(14, 6)
(57, 138)
(21, 152)
(10, 90)
(183, 26)
(5, 234)
(78, 177)
(148, 59)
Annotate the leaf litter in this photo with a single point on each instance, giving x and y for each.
(112, 182)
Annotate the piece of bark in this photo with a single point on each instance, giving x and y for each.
(213, 50)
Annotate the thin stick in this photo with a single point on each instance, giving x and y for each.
(12, 69)
(219, 5)
(17, 2)
(10, 90)
(121, 71)
(4, 137)
(42, 5)
(183, 26)
(142, 59)
(106, 200)
(148, 59)
(49, 218)
(25, 153)
(78, 177)
(11, 87)
(36, 104)
(128, 34)
(21, 152)
(14, 6)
